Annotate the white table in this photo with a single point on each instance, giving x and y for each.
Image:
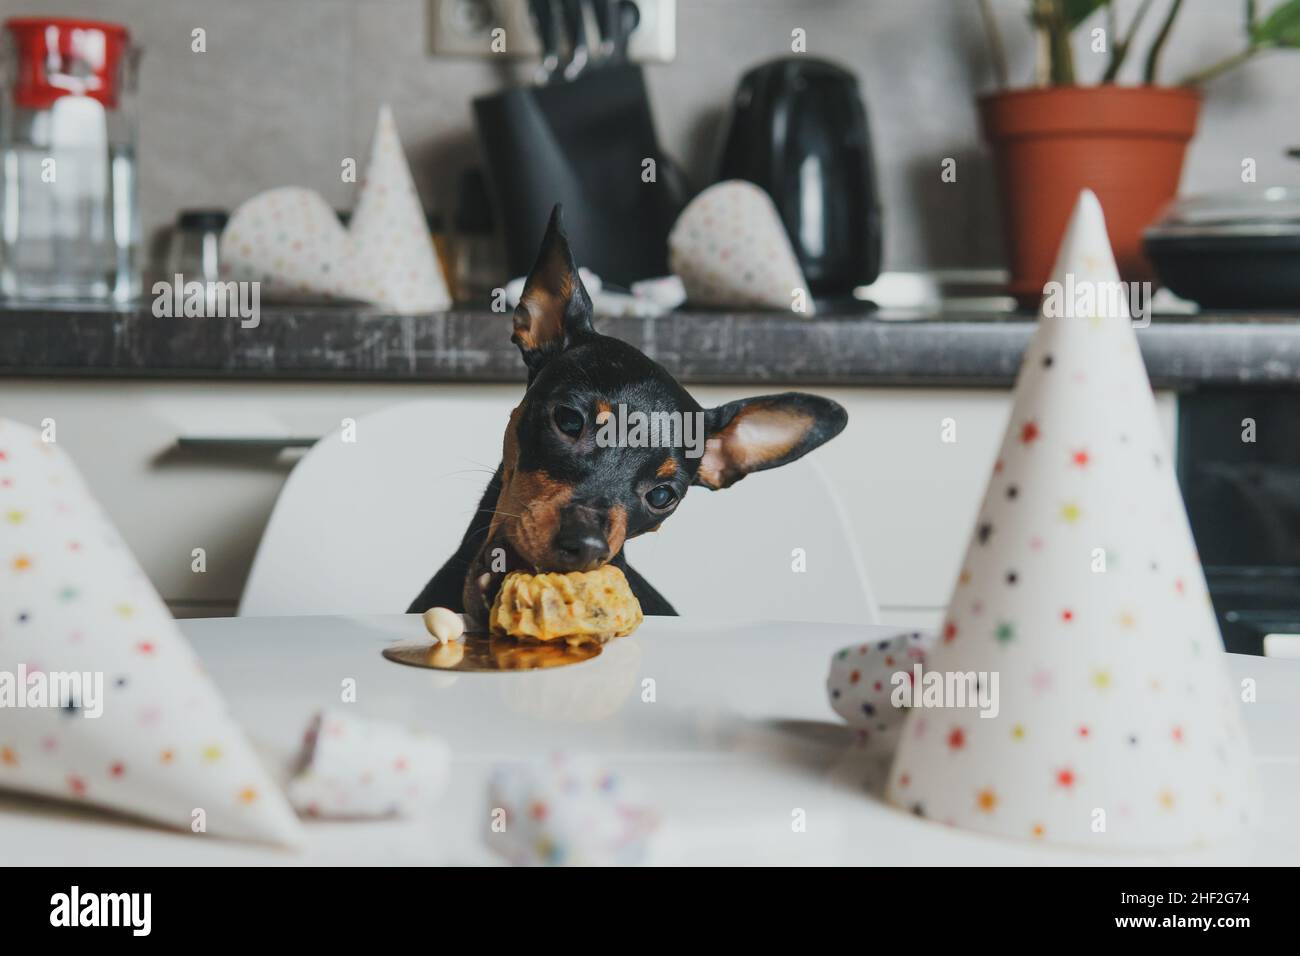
(739, 735)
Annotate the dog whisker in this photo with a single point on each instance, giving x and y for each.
(482, 464)
(466, 471)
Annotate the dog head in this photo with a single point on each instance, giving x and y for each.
(605, 443)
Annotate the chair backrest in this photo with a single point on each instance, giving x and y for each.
(775, 546)
(361, 525)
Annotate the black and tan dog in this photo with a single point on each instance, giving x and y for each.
(571, 487)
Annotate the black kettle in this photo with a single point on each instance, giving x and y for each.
(799, 130)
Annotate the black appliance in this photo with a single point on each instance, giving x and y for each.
(798, 129)
(1243, 499)
(1231, 250)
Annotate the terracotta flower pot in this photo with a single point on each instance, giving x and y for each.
(1126, 144)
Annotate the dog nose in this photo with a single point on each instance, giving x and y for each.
(580, 549)
(580, 543)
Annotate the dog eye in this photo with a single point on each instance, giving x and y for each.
(568, 420)
(660, 497)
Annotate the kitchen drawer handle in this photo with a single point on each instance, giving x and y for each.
(1282, 645)
(242, 443)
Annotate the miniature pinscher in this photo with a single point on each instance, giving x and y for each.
(572, 487)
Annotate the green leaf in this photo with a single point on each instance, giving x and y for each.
(1280, 28)
(1076, 11)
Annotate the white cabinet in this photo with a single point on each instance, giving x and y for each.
(911, 496)
(166, 500)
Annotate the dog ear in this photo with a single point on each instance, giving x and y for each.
(755, 434)
(554, 309)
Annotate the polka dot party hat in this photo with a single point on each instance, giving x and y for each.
(730, 248)
(102, 701)
(290, 238)
(1103, 715)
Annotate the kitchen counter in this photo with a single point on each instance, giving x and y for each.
(885, 348)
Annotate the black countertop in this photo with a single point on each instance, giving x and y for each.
(347, 344)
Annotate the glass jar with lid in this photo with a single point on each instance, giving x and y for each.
(69, 210)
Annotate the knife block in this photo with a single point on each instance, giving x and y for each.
(583, 143)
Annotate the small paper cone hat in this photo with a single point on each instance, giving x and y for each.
(394, 260)
(730, 248)
(290, 238)
(1082, 608)
(137, 726)
(352, 767)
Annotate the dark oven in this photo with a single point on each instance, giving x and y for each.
(1243, 498)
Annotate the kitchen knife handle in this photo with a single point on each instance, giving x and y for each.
(543, 15)
(575, 28)
(606, 13)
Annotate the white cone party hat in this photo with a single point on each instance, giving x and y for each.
(1082, 611)
(290, 238)
(102, 701)
(730, 249)
(395, 260)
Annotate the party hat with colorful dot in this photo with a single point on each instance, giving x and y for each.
(290, 239)
(1081, 611)
(102, 701)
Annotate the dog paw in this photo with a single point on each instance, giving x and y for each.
(479, 591)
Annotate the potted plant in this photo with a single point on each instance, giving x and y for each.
(1126, 143)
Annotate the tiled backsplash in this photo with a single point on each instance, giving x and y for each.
(288, 88)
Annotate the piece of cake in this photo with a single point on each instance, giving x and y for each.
(582, 605)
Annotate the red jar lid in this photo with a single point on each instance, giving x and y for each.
(58, 56)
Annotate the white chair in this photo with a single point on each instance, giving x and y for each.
(360, 526)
